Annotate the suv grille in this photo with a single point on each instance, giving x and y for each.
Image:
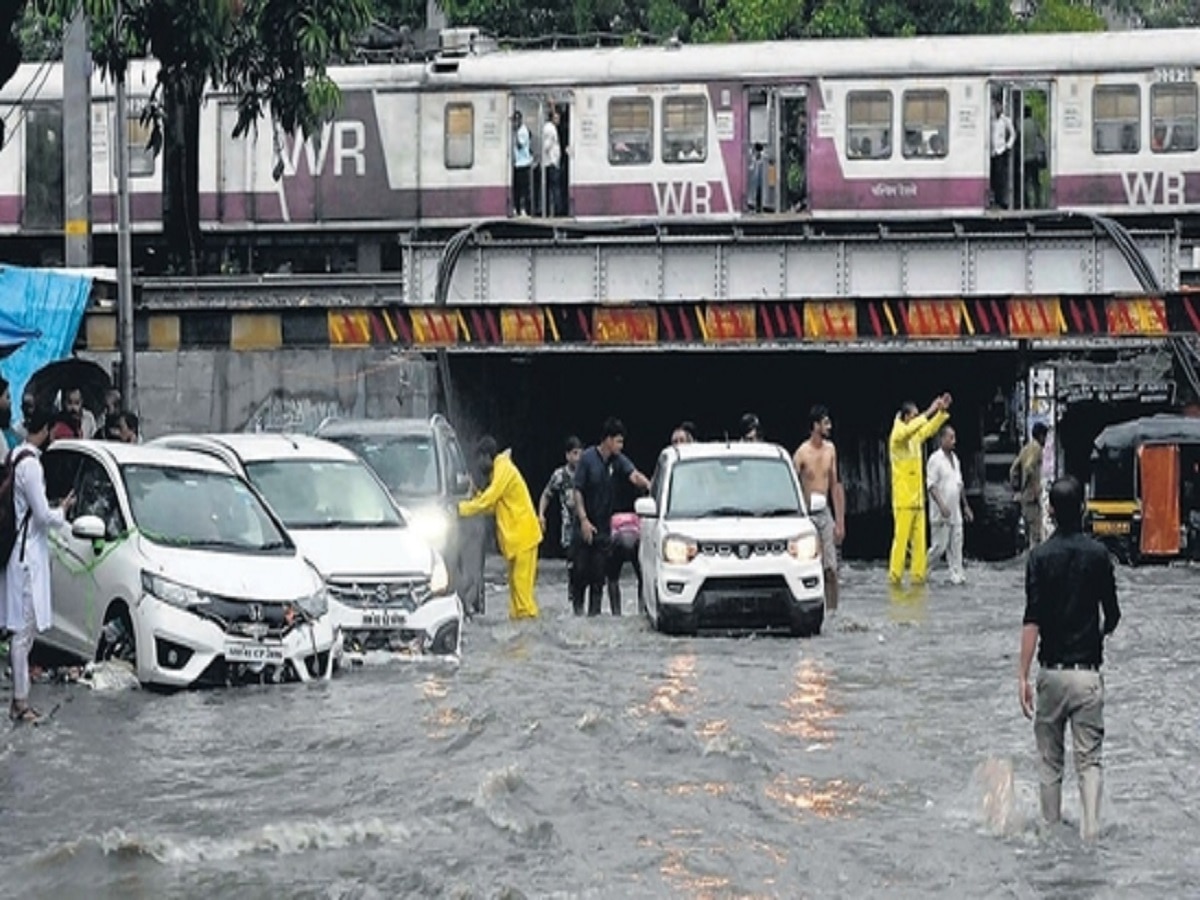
(762, 602)
(395, 593)
(743, 549)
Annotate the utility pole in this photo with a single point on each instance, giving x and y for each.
(77, 142)
(124, 247)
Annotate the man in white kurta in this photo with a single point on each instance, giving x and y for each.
(26, 592)
(947, 505)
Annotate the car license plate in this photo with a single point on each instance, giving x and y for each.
(247, 652)
(384, 619)
(1114, 527)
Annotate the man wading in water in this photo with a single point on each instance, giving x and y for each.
(816, 464)
(1068, 581)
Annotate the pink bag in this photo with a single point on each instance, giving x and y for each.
(626, 523)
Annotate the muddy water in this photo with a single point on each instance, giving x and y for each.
(887, 757)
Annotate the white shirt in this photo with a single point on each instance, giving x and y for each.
(551, 154)
(27, 579)
(943, 474)
(1003, 134)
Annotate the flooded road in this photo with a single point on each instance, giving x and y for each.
(594, 758)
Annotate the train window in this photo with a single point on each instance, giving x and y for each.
(1172, 118)
(43, 166)
(685, 129)
(459, 148)
(1116, 119)
(630, 131)
(869, 124)
(926, 123)
(139, 133)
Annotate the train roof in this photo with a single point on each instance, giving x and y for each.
(983, 55)
(1161, 429)
(1009, 56)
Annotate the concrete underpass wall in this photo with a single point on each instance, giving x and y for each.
(273, 390)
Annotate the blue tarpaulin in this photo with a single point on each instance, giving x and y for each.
(40, 314)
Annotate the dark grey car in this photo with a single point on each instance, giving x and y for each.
(423, 465)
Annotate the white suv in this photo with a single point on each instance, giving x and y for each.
(726, 544)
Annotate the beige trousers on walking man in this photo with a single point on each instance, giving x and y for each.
(1075, 696)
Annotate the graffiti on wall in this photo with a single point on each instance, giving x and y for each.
(297, 414)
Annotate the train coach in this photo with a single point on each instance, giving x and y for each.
(878, 129)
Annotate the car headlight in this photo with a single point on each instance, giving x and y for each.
(804, 546)
(679, 550)
(430, 523)
(314, 605)
(173, 592)
(439, 578)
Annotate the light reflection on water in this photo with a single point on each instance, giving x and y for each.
(672, 696)
(807, 710)
(832, 799)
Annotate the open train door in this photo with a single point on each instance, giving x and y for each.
(1158, 477)
(534, 192)
(1022, 179)
(778, 132)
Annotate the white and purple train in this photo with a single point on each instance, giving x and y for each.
(867, 129)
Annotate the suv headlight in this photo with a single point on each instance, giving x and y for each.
(172, 592)
(804, 546)
(679, 550)
(439, 577)
(314, 605)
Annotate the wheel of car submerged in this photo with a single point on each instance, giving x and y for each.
(656, 620)
(118, 639)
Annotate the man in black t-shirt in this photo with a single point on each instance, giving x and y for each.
(1070, 607)
(594, 496)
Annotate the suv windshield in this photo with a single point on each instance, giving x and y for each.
(190, 508)
(732, 486)
(316, 493)
(406, 463)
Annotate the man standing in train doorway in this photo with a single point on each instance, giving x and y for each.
(552, 204)
(1003, 138)
(910, 431)
(522, 166)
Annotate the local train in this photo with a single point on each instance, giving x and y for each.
(840, 129)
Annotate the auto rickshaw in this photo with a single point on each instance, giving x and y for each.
(1144, 492)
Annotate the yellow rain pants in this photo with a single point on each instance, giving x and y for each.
(518, 531)
(908, 493)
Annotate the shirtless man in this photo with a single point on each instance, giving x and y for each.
(816, 464)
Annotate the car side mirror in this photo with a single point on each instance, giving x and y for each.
(645, 507)
(88, 528)
(462, 483)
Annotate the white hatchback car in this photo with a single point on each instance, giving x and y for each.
(726, 544)
(175, 565)
(390, 590)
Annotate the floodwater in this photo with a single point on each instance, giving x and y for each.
(594, 758)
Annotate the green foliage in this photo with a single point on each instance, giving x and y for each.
(1064, 16)
(10, 43)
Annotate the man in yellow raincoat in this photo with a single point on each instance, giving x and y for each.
(517, 529)
(909, 433)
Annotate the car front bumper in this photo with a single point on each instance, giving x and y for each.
(177, 648)
(432, 629)
(729, 596)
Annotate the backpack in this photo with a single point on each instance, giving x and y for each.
(8, 507)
